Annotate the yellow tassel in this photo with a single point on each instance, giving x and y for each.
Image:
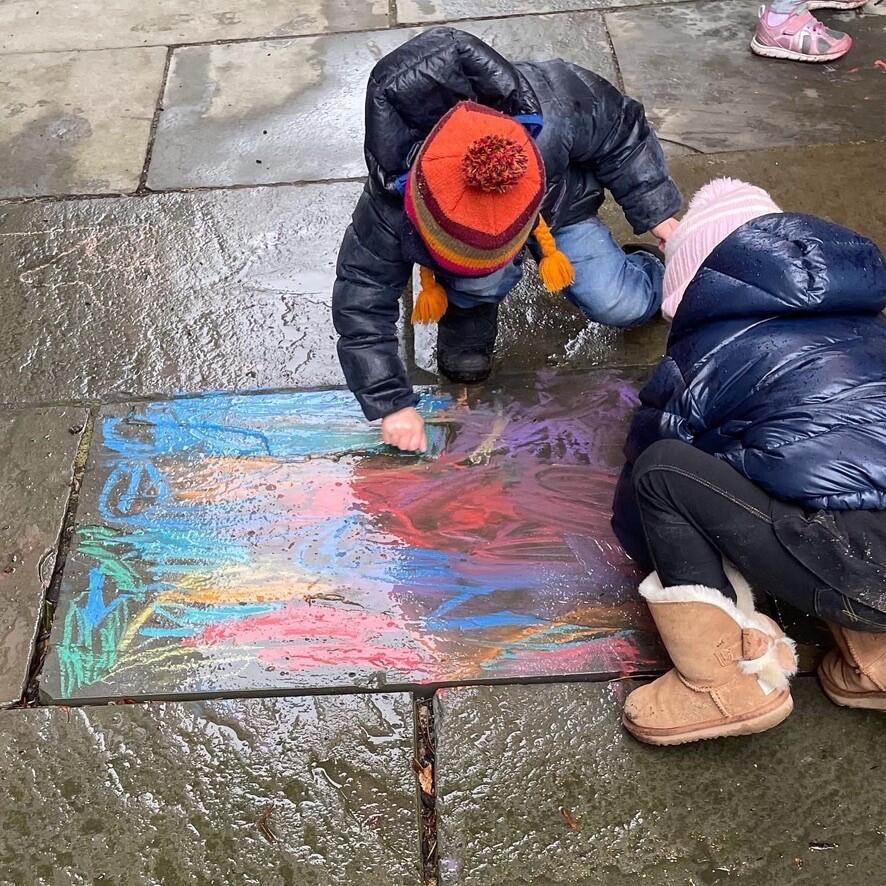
(431, 301)
(555, 269)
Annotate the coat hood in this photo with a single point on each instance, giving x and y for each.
(413, 87)
(785, 264)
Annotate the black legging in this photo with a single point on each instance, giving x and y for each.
(697, 509)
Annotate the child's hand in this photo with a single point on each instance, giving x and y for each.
(405, 430)
(664, 230)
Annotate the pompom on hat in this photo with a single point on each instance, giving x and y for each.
(473, 194)
(716, 210)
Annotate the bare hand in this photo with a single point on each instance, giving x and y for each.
(664, 230)
(405, 430)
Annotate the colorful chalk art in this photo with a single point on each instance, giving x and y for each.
(269, 542)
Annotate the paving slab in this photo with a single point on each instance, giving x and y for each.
(292, 110)
(76, 122)
(539, 784)
(37, 451)
(692, 68)
(274, 791)
(170, 293)
(243, 544)
(52, 25)
(420, 11)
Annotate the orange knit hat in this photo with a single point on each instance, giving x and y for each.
(473, 195)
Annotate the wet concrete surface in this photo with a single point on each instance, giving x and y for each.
(266, 543)
(717, 96)
(170, 293)
(420, 11)
(37, 450)
(537, 328)
(293, 110)
(57, 25)
(266, 112)
(540, 785)
(266, 791)
(76, 123)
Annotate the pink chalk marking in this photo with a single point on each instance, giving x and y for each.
(292, 657)
(300, 637)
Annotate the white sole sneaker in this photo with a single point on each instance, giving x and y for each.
(845, 6)
(780, 52)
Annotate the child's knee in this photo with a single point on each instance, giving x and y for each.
(633, 313)
(630, 310)
(663, 454)
(624, 303)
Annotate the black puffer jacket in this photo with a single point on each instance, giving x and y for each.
(592, 138)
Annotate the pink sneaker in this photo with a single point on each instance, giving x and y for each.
(802, 38)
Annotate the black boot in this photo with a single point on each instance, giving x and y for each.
(629, 248)
(465, 342)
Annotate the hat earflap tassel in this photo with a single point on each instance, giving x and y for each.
(555, 269)
(431, 302)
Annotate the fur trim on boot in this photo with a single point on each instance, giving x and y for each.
(732, 668)
(777, 661)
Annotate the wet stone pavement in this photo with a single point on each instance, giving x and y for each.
(172, 293)
(54, 141)
(200, 540)
(293, 110)
(37, 452)
(537, 784)
(265, 791)
(55, 25)
(744, 106)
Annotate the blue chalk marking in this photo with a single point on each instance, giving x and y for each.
(276, 425)
(96, 609)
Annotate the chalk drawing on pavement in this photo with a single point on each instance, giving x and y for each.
(247, 543)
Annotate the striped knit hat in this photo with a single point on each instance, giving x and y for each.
(716, 210)
(473, 194)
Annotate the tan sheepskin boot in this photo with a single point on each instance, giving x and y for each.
(731, 668)
(854, 674)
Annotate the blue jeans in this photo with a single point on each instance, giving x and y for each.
(610, 287)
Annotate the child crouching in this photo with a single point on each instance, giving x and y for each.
(757, 460)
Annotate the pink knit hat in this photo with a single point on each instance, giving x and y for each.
(716, 210)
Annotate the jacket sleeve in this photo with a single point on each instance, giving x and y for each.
(370, 277)
(614, 138)
(666, 412)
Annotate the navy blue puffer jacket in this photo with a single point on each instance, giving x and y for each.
(776, 363)
(592, 137)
